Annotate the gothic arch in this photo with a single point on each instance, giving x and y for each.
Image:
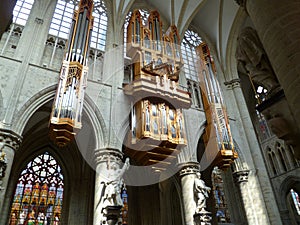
(231, 63)
(286, 185)
(45, 96)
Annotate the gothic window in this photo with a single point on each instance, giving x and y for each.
(98, 36)
(272, 161)
(194, 89)
(21, 11)
(296, 200)
(190, 41)
(39, 193)
(282, 156)
(62, 19)
(222, 212)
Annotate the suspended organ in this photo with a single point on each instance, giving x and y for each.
(67, 107)
(217, 137)
(157, 124)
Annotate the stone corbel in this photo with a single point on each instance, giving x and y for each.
(233, 84)
(241, 176)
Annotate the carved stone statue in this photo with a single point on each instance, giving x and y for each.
(252, 59)
(201, 192)
(113, 187)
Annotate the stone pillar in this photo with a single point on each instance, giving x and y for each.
(258, 195)
(108, 186)
(241, 179)
(276, 23)
(187, 174)
(9, 143)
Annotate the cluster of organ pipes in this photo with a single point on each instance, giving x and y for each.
(217, 132)
(68, 102)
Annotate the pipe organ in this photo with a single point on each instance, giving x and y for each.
(66, 113)
(157, 124)
(217, 137)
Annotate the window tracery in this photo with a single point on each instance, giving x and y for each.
(39, 193)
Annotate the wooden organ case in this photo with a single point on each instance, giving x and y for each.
(65, 118)
(217, 137)
(157, 123)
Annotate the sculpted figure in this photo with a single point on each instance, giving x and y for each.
(252, 59)
(201, 192)
(113, 187)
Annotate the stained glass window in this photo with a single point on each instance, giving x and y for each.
(220, 200)
(21, 11)
(39, 193)
(296, 200)
(124, 211)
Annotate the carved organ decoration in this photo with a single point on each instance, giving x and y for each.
(68, 103)
(157, 122)
(217, 137)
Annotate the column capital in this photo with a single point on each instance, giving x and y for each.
(108, 154)
(10, 138)
(241, 176)
(188, 168)
(233, 83)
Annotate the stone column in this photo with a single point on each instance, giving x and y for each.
(258, 192)
(187, 174)
(241, 180)
(9, 143)
(108, 186)
(276, 23)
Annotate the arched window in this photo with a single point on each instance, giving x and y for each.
(98, 37)
(21, 11)
(272, 161)
(190, 41)
(282, 156)
(39, 193)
